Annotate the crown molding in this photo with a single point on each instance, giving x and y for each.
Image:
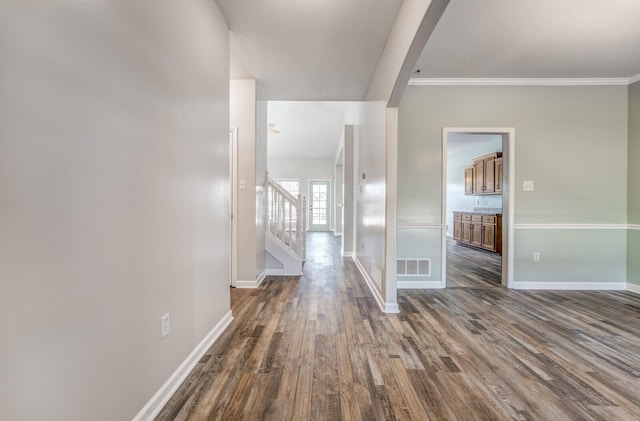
(614, 81)
(634, 79)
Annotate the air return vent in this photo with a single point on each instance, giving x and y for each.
(413, 267)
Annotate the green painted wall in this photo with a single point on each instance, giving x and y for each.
(572, 141)
(633, 195)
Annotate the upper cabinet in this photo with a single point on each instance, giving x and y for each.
(468, 180)
(485, 175)
(498, 181)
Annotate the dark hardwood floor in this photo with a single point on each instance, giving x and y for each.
(468, 267)
(319, 348)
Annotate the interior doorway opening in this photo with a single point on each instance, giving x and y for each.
(477, 207)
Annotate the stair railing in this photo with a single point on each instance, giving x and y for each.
(286, 218)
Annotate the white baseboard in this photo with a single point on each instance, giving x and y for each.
(633, 288)
(577, 286)
(166, 391)
(419, 285)
(348, 254)
(252, 284)
(280, 272)
(385, 307)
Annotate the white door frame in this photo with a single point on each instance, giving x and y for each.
(310, 201)
(233, 203)
(508, 196)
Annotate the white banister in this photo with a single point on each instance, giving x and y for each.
(286, 217)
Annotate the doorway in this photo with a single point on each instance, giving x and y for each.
(319, 205)
(477, 207)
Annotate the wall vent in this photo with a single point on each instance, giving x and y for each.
(413, 267)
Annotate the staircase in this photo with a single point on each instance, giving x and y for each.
(286, 238)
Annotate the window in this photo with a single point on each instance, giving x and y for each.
(292, 186)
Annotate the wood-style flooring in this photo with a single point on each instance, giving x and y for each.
(318, 348)
(468, 267)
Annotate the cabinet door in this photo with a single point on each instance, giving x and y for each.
(489, 237)
(498, 181)
(489, 175)
(478, 176)
(476, 234)
(457, 230)
(468, 180)
(466, 232)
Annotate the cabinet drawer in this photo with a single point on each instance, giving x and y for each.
(466, 217)
(476, 218)
(457, 216)
(489, 219)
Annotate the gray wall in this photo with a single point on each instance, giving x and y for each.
(370, 158)
(572, 141)
(633, 239)
(114, 132)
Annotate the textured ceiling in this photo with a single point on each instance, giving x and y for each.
(302, 50)
(534, 39)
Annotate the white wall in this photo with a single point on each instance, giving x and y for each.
(114, 128)
(261, 173)
(249, 116)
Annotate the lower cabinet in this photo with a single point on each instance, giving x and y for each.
(478, 230)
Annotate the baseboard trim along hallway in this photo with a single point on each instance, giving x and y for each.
(162, 396)
(252, 284)
(384, 306)
(572, 286)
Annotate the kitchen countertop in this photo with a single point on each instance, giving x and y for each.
(482, 211)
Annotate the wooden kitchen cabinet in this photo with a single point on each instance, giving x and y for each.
(478, 230)
(468, 180)
(498, 180)
(484, 175)
(457, 227)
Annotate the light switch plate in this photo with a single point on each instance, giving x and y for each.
(527, 185)
(243, 184)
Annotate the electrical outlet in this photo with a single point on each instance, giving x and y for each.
(527, 185)
(536, 256)
(165, 325)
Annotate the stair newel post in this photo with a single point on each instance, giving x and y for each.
(299, 227)
(267, 201)
(303, 228)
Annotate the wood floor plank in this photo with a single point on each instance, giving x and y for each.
(317, 347)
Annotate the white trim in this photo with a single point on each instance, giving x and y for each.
(419, 284)
(633, 227)
(422, 226)
(574, 286)
(571, 226)
(634, 79)
(633, 287)
(385, 307)
(609, 81)
(348, 254)
(279, 272)
(166, 391)
(252, 284)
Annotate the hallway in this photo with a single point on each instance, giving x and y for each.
(318, 347)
